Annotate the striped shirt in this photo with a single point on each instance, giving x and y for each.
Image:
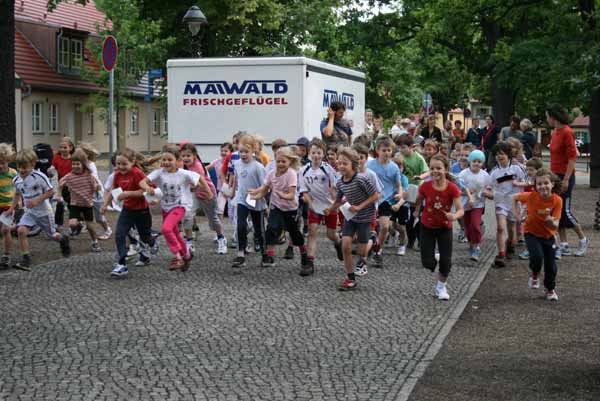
(31, 187)
(356, 191)
(81, 187)
(7, 191)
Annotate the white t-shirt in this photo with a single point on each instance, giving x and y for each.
(32, 186)
(317, 182)
(175, 188)
(502, 179)
(98, 195)
(108, 186)
(475, 183)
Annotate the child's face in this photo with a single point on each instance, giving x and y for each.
(385, 152)
(544, 185)
(3, 166)
(406, 150)
(430, 151)
(457, 145)
(344, 165)
(168, 161)
(25, 169)
(283, 163)
(245, 153)
(476, 165)
(124, 165)
(464, 157)
(316, 155)
(502, 158)
(531, 172)
(332, 157)
(224, 152)
(236, 144)
(301, 151)
(77, 167)
(362, 160)
(437, 169)
(187, 157)
(64, 148)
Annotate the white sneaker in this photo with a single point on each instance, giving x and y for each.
(533, 283)
(551, 296)
(190, 247)
(442, 293)
(107, 234)
(360, 269)
(222, 246)
(582, 247)
(401, 250)
(132, 251)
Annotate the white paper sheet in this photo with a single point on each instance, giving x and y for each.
(251, 202)
(345, 209)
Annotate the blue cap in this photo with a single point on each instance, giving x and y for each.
(476, 155)
(303, 141)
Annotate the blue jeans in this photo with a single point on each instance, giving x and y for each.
(541, 251)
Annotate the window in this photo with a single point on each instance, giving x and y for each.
(156, 122)
(76, 53)
(63, 53)
(53, 117)
(134, 122)
(166, 122)
(91, 122)
(36, 118)
(581, 135)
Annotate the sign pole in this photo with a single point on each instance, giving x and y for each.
(111, 141)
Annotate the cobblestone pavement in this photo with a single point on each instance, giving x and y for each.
(70, 332)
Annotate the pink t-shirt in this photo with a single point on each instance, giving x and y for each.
(282, 183)
(197, 167)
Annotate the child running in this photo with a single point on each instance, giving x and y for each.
(35, 191)
(248, 174)
(317, 188)
(7, 193)
(217, 166)
(361, 195)
(134, 212)
(176, 200)
(543, 215)
(439, 196)
(475, 181)
(82, 186)
(282, 184)
(62, 164)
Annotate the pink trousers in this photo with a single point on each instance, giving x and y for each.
(170, 230)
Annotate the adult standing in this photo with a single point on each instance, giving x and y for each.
(335, 129)
(563, 156)
(369, 124)
(512, 131)
(430, 131)
(529, 138)
(475, 134)
(490, 138)
(458, 132)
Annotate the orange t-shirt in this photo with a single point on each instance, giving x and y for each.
(536, 212)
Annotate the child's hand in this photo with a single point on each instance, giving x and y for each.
(31, 203)
(326, 211)
(122, 196)
(151, 191)
(398, 196)
(354, 209)
(469, 204)
(209, 195)
(450, 216)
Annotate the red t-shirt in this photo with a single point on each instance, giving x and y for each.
(62, 166)
(562, 149)
(131, 182)
(437, 204)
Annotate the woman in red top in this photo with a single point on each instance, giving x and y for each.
(63, 165)
(563, 156)
(439, 195)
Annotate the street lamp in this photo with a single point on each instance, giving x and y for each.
(195, 19)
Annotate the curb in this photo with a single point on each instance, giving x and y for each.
(438, 341)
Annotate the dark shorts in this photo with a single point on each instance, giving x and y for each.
(402, 216)
(384, 210)
(361, 230)
(567, 219)
(81, 213)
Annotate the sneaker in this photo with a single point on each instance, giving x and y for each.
(524, 255)
(83, 228)
(360, 269)
(558, 253)
(96, 247)
(500, 261)
(154, 247)
(289, 253)
(142, 261)
(222, 246)
(4, 262)
(521, 242)
(248, 250)
(119, 270)
(191, 248)
(401, 250)
(24, 263)
(442, 293)
(65, 248)
(132, 251)
(582, 247)
(347, 285)
(308, 268)
(257, 248)
(303, 259)
(551, 296)
(267, 261)
(107, 234)
(238, 262)
(533, 282)
(176, 264)
(475, 254)
(338, 250)
(510, 251)
(565, 250)
(461, 237)
(377, 260)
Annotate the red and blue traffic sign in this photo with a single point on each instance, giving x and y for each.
(109, 53)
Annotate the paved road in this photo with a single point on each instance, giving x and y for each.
(69, 332)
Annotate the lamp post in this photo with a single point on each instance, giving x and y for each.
(195, 19)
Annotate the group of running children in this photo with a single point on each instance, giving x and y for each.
(366, 194)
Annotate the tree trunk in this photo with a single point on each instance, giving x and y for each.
(503, 103)
(595, 140)
(8, 125)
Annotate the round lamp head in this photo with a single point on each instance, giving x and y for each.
(194, 18)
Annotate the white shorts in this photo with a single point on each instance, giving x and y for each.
(221, 202)
(503, 211)
(46, 223)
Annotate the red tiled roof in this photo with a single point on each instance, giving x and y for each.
(35, 71)
(66, 14)
(581, 121)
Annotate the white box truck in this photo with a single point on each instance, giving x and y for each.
(275, 97)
